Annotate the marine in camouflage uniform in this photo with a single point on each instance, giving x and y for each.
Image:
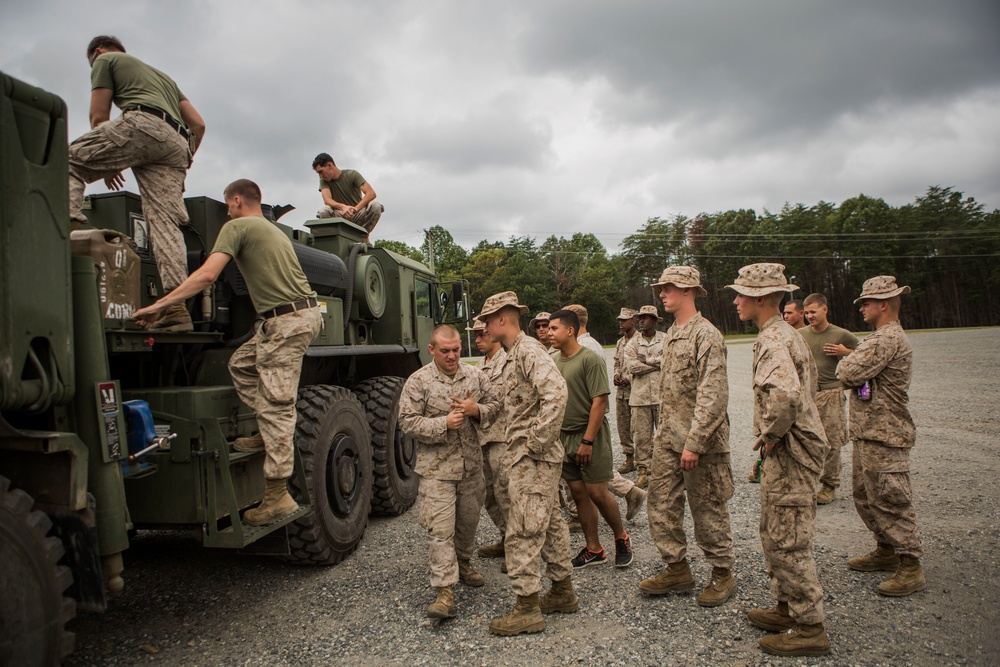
(449, 459)
(622, 382)
(642, 364)
(691, 446)
(883, 433)
(788, 428)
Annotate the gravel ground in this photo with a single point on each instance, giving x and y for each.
(186, 605)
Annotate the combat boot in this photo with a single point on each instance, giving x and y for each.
(634, 500)
(799, 640)
(443, 605)
(775, 619)
(883, 559)
(909, 578)
(492, 550)
(255, 443)
(642, 481)
(627, 467)
(676, 578)
(276, 504)
(525, 618)
(826, 495)
(720, 588)
(468, 574)
(561, 597)
(174, 318)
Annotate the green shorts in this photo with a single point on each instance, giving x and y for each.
(600, 467)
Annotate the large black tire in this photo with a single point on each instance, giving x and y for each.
(33, 610)
(335, 444)
(395, 454)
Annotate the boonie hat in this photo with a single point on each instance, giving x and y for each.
(649, 310)
(478, 325)
(683, 277)
(626, 314)
(881, 287)
(498, 301)
(540, 317)
(762, 279)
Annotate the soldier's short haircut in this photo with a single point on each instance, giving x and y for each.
(106, 41)
(794, 302)
(568, 318)
(895, 303)
(322, 159)
(775, 298)
(581, 313)
(816, 298)
(244, 188)
(444, 332)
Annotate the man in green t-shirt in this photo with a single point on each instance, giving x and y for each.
(346, 194)
(828, 344)
(156, 135)
(266, 368)
(586, 439)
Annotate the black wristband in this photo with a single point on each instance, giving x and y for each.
(584, 441)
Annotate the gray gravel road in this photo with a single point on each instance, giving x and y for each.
(185, 605)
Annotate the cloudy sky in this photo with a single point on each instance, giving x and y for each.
(514, 117)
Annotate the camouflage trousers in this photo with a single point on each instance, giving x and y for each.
(266, 372)
(618, 486)
(367, 217)
(623, 416)
(787, 523)
(644, 420)
(497, 477)
(883, 497)
(536, 531)
(708, 489)
(831, 404)
(159, 158)
(449, 512)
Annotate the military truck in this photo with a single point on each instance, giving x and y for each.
(106, 428)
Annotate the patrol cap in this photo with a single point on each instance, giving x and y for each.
(649, 310)
(762, 279)
(540, 317)
(498, 301)
(626, 314)
(881, 287)
(681, 276)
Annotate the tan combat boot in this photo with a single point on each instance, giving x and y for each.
(775, 619)
(255, 443)
(634, 500)
(676, 578)
(627, 467)
(909, 578)
(276, 504)
(561, 597)
(642, 481)
(525, 618)
(174, 318)
(443, 605)
(720, 588)
(800, 640)
(826, 495)
(493, 550)
(468, 574)
(883, 559)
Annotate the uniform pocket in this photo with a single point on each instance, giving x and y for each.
(894, 488)
(788, 520)
(529, 512)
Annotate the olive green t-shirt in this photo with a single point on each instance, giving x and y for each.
(266, 259)
(346, 189)
(826, 364)
(586, 378)
(133, 82)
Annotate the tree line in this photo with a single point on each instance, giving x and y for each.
(944, 245)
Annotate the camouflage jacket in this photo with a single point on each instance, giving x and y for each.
(424, 405)
(694, 390)
(493, 369)
(619, 368)
(535, 395)
(885, 358)
(645, 375)
(784, 388)
(589, 342)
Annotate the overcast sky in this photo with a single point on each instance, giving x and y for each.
(539, 118)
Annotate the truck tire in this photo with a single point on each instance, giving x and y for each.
(335, 445)
(394, 453)
(33, 609)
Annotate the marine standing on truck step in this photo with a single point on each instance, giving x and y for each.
(156, 135)
(789, 430)
(535, 397)
(346, 194)
(642, 363)
(266, 368)
(441, 407)
(878, 372)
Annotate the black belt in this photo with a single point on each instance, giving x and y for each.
(290, 308)
(165, 117)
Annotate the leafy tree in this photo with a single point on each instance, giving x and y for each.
(400, 248)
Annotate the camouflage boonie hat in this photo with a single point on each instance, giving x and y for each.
(478, 325)
(649, 310)
(498, 301)
(540, 317)
(762, 279)
(626, 314)
(683, 277)
(881, 287)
